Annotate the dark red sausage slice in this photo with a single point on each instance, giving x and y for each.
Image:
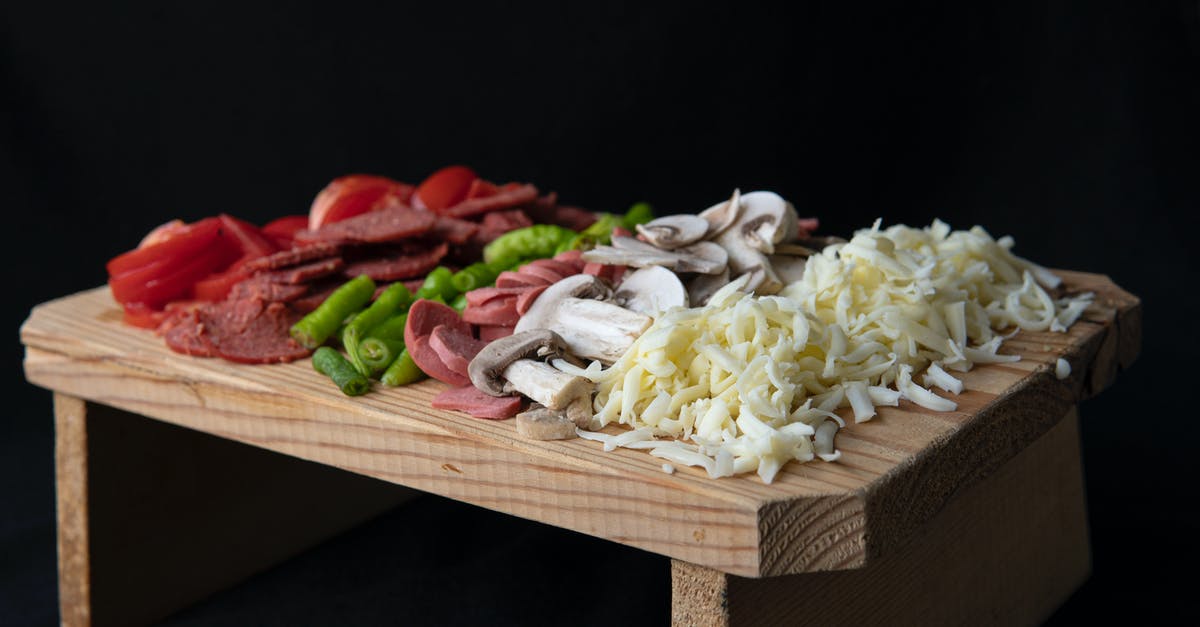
(405, 266)
(385, 225)
(505, 199)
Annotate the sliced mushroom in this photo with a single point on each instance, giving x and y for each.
(795, 250)
(651, 291)
(546, 384)
(722, 215)
(487, 367)
(788, 268)
(820, 242)
(543, 423)
(671, 232)
(590, 328)
(765, 220)
(703, 257)
(702, 286)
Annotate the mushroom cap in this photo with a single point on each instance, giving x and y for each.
(723, 214)
(486, 368)
(651, 290)
(702, 257)
(670, 232)
(766, 220)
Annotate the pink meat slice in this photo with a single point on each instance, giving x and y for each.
(484, 294)
(497, 312)
(426, 315)
(490, 333)
(505, 199)
(386, 225)
(560, 267)
(540, 272)
(508, 278)
(808, 226)
(405, 266)
(456, 349)
(573, 257)
(525, 300)
(431, 364)
(472, 401)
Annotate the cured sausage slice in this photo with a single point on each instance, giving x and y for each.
(405, 266)
(504, 199)
(385, 225)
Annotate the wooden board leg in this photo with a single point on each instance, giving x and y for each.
(152, 516)
(1006, 551)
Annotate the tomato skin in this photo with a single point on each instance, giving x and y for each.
(181, 245)
(215, 287)
(481, 189)
(139, 315)
(348, 196)
(245, 236)
(445, 188)
(168, 280)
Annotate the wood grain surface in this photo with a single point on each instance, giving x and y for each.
(896, 471)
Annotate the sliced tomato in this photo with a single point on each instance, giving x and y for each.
(348, 196)
(178, 246)
(245, 236)
(167, 285)
(139, 315)
(162, 232)
(481, 189)
(445, 188)
(215, 287)
(285, 226)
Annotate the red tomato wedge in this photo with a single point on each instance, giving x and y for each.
(170, 278)
(348, 196)
(445, 188)
(180, 245)
(139, 315)
(247, 237)
(215, 287)
(481, 189)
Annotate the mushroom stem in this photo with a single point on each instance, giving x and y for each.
(546, 384)
(595, 329)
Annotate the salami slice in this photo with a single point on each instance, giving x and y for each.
(295, 256)
(386, 225)
(405, 266)
(187, 335)
(504, 199)
(251, 332)
(472, 401)
(453, 230)
(308, 272)
(262, 287)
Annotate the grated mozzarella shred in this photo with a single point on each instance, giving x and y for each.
(748, 383)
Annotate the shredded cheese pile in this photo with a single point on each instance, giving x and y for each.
(746, 383)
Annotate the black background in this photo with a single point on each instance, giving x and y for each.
(1073, 126)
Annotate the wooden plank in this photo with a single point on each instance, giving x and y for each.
(153, 517)
(896, 471)
(1007, 551)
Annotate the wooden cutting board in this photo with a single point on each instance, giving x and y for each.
(895, 473)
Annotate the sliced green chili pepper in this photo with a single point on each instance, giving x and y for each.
(393, 298)
(378, 353)
(330, 363)
(438, 284)
(402, 371)
(474, 276)
(532, 242)
(640, 213)
(312, 330)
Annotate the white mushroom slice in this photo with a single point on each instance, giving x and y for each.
(671, 232)
(651, 291)
(766, 220)
(789, 269)
(703, 286)
(590, 328)
(795, 250)
(546, 384)
(702, 257)
(722, 215)
(542, 423)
